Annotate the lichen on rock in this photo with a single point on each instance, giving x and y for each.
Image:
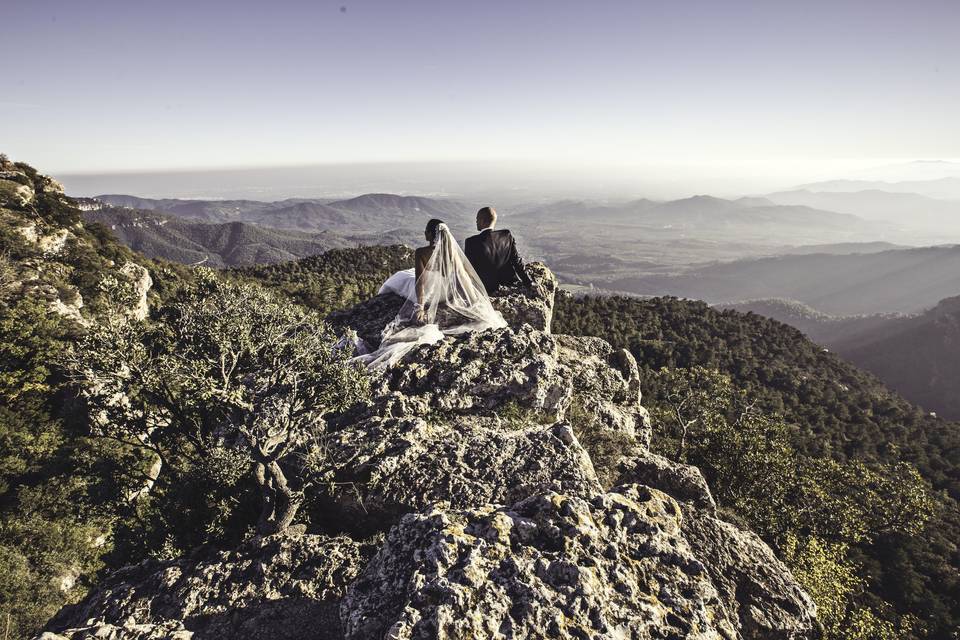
(613, 566)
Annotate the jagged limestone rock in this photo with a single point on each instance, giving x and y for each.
(682, 482)
(270, 589)
(483, 418)
(386, 468)
(758, 591)
(46, 184)
(614, 566)
(139, 276)
(520, 305)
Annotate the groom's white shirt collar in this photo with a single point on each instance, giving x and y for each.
(487, 228)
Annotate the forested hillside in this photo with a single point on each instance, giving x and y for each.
(918, 356)
(824, 484)
(336, 279)
(228, 244)
(823, 328)
(832, 410)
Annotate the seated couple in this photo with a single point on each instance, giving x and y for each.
(447, 291)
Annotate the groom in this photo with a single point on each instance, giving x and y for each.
(493, 254)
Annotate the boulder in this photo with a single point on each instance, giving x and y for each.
(683, 482)
(759, 593)
(613, 566)
(270, 589)
(529, 305)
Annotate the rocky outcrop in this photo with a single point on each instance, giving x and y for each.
(481, 419)
(683, 482)
(508, 476)
(141, 281)
(55, 242)
(269, 589)
(533, 306)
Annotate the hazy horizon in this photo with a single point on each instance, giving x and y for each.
(478, 180)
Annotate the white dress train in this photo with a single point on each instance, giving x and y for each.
(454, 302)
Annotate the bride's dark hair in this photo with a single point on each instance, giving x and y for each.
(432, 229)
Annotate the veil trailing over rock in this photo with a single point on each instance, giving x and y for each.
(448, 299)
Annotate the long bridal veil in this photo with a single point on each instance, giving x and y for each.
(448, 299)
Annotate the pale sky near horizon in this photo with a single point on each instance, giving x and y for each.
(107, 85)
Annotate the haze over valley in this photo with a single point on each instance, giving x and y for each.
(838, 250)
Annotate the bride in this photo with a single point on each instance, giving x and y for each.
(444, 296)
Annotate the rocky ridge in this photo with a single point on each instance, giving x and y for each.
(472, 501)
(52, 242)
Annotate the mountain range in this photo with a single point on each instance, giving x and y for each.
(906, 210)
(946, 188)
(366, 214)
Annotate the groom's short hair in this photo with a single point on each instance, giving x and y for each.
(488, 215)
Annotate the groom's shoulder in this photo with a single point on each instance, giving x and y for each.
(496, 234)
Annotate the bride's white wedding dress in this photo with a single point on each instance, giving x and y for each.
(454, 302)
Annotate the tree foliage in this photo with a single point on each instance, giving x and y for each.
(334, 280)
(812, 510)
(227, 378)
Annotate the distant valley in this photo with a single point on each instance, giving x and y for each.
(918, 355)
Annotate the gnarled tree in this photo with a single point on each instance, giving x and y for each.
(226, 369)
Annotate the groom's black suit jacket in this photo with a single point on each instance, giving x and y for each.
(494, 256)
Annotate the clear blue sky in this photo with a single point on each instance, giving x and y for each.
(99, 85)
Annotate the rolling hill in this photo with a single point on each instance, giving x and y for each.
(946, 188)
(366, 214)
(900, 281)
(908, 210)
(917, 356)
(216, 245)
(822, 328)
